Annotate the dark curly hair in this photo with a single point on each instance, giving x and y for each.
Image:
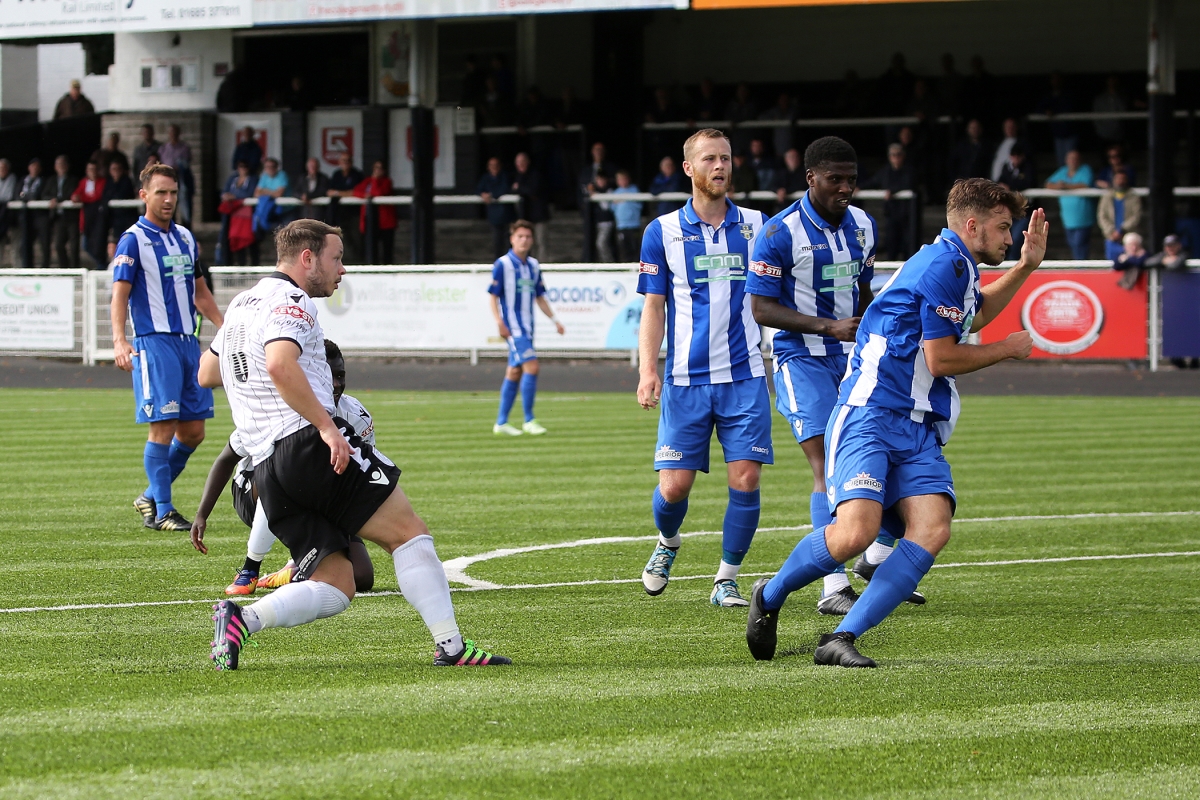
(829, 150)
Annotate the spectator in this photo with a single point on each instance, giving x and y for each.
(272, 184)
(147, 147)
(496, 109)
(175, 152)
(766, 169)
(922, 104)
(532, 111)
(915, 157)
(119, 186)
(628, 219)
(978, 92)
(1110, 101)
(895, 86)
(73, 103)
(528, 184)
(588, 173)
(950, 86)
(1078, 213)
(505, 83)
(1118, 213)
(1129, 260)
(1018, 176)
(36, 222)
(605, 220)
(792, 178)
(742, 177)
(1000, 157)
(88, 192)
(378, 185)
(111, 152)
(570, 110)
(247, 151)
(298, 97)
(63, 227)
(1056, 102)
(8, 192)
(314, 184)
(897, 176)
(970, 158)
(706, 104)
(239, 187)
(1172, 257)
(741, 109)
(1116, 161)
(492, 185)
(784, 110)
(668, 179)
(342, 183)
(662, 109)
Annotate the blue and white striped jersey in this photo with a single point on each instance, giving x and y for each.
(517, 283)
(934, 295)
(160, 265)
(711, 335)
(813, 267)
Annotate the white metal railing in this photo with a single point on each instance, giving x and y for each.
(864, 122)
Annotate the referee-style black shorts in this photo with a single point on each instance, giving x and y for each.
(313, 510)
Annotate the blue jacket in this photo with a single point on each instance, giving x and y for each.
(496, 185)
(675, 183)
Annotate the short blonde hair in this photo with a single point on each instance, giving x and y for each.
(303, 234)
(693, 141)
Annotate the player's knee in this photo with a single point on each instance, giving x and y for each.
(513, 373)
(674, 489)
(930, 537)
(744, 476)
(530, 367)
(848, 538)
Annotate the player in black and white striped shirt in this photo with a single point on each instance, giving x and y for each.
(319, 482)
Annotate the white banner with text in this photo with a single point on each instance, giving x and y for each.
(37, 313)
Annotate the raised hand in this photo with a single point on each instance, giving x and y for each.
(1034, 248)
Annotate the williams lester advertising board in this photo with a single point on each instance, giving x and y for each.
(1075, 314)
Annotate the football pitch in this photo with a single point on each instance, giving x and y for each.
(1058, 655)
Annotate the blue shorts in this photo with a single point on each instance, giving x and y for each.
(806, 390)
(740, 411)
(882, 455)
(520, 350)
(165, 382)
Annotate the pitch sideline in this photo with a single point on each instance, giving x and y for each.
(455, 567)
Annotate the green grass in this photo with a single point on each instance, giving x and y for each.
(1076, 679)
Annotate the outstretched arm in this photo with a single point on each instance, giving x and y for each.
(218, 477)
(998, 293)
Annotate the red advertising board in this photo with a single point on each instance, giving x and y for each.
(1075, 314)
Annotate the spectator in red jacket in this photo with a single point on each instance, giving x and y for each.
(379, 185)
(91, 221)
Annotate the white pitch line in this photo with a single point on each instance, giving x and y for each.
(474, 585)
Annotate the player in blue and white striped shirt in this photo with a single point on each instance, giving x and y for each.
(811, 279)
(516, 288)
(896, 409)
(693, 275)
(155, 284)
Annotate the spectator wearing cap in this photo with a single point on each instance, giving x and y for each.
(8, 192)
(1078, 213)
(1018, 176)
(73, 103)
(1115, 155)
(147, 147)
(628, 219)
(89, 192)
(669, 179)
(1172, 257)
(1130, 260)
(36, 222)
(63, 228)
(897, 176)
(1118, 213)
(527, 183)
(491, 186)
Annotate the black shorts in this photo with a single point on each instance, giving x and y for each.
(313, 510)
(242, 489)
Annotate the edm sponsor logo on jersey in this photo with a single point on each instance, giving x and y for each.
(765, 269)
(720, 261)
(843, 275)
(665, 453)
(863, 481)
(295, 312)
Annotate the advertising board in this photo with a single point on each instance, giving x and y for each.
(37, 313)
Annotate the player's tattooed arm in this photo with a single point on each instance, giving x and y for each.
(772, 313)
(651, 330)
(117, 312)
(1000, 292)
(218, 477)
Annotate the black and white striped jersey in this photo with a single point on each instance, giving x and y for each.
(354, 412)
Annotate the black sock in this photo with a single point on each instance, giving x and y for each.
(252, 565)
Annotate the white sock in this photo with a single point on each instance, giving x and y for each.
(261, 537)
(835, 582)
(877, 553)
(423, 583)
(672, 542)
(727, 572)
(295, 604)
